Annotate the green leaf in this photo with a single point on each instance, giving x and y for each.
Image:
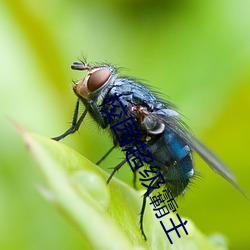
(106, 215)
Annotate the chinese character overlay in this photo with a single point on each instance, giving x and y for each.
(175, 228)
(154, 181)
(116, 103)
(126, 131)
(138, 157)
(170, 200)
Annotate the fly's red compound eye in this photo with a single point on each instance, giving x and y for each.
(97, 79)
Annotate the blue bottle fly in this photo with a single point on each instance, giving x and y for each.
(160, 126)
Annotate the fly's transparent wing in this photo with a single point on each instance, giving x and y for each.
(175, 124)
(208, 156)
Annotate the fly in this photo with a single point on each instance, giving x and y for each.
(160, 125)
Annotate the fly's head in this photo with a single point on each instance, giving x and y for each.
(96, 79)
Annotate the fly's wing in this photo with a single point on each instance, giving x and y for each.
(174, 123)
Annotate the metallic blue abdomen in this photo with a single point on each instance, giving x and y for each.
(175, 159)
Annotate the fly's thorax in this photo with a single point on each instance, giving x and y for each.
(153, 122)
(93, 85)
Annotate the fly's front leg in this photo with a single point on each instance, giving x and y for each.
(75, 124)
(96, 112)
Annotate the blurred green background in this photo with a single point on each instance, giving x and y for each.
(195, 52)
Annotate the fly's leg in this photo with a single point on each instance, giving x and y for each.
(144, 206)
(142, 214)
(100, 120)
(97, 114)
(116, 169)
(75, 124)
(91, 107)
(105, 155)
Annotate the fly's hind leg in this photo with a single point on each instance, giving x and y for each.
(142, 214)
(145, 195)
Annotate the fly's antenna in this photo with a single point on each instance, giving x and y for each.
(80, 66)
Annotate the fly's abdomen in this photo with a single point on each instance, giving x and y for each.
(181, 154)
(175, 158)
